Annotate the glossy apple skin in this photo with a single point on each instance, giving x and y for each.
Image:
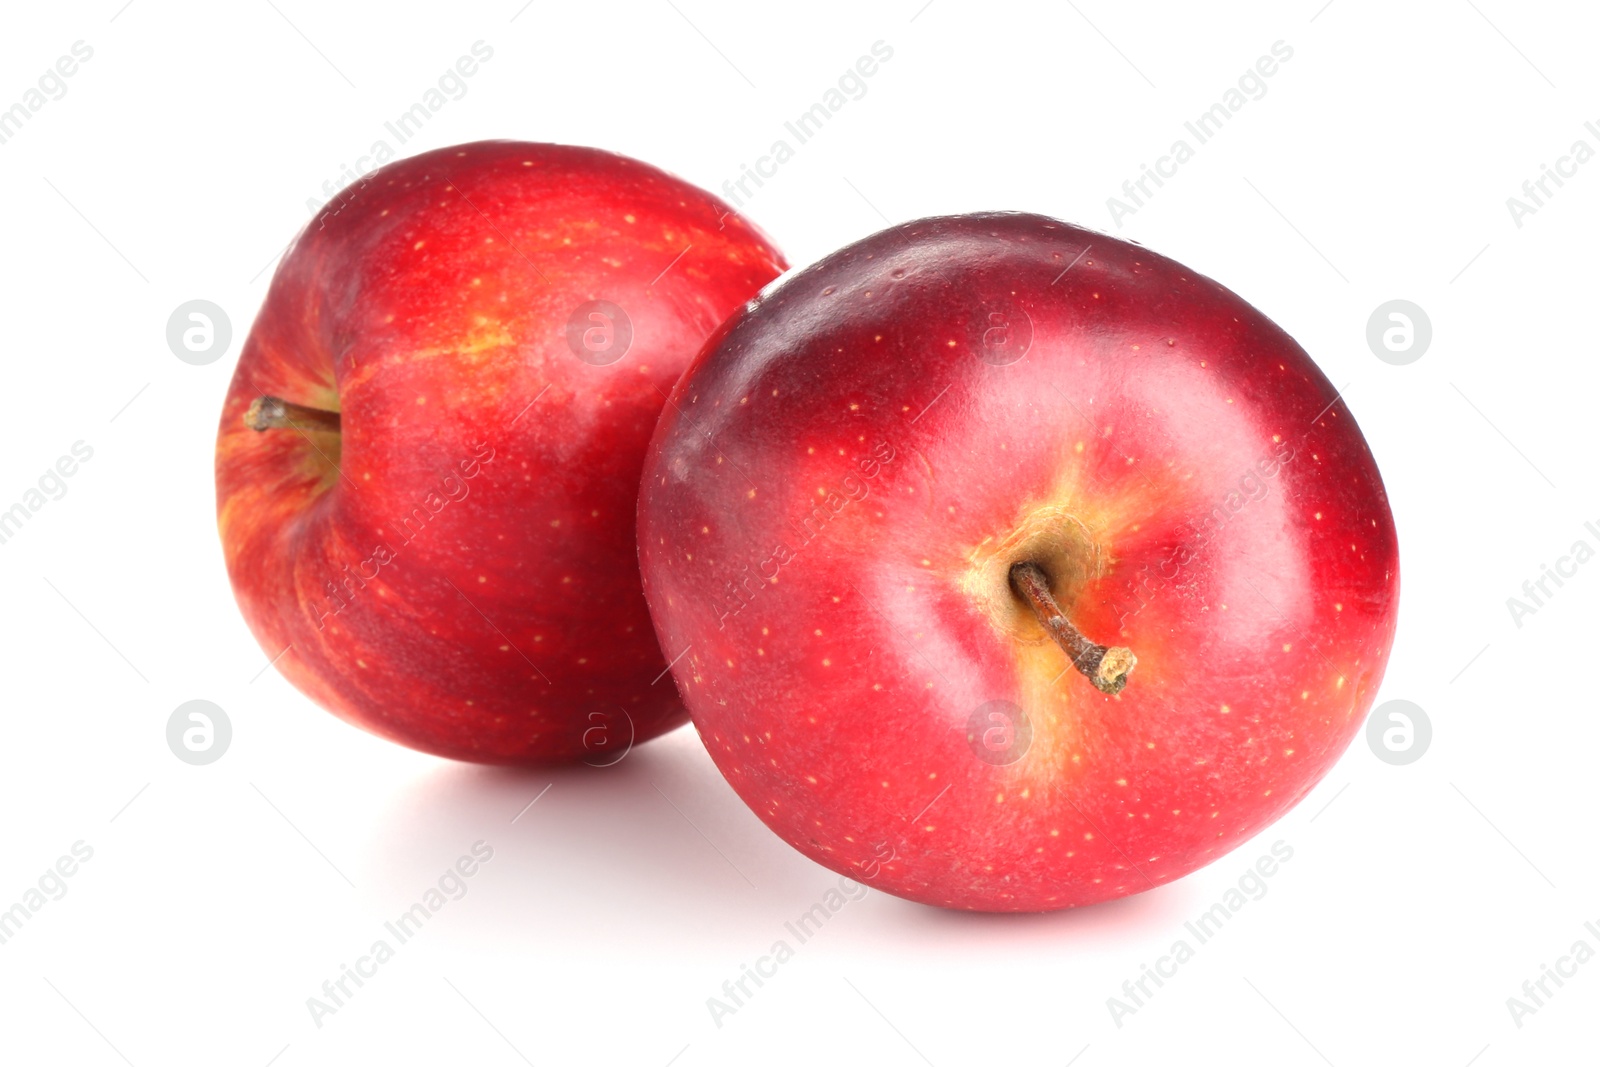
(833, 499)
(467, 582)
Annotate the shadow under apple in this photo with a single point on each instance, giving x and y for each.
(654, 856)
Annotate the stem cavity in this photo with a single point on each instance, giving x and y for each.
(276, 413)
(1106, 668)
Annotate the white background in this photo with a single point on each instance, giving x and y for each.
(219, 898)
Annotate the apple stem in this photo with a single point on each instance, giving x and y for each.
(276, 413)
(1107, 668)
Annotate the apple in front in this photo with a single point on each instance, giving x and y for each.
(1013, 567)
(429, 457)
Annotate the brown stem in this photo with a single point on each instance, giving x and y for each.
(276, 413)
(1107, 668)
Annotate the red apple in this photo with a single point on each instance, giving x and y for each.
(874, 486)
(429, 456)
